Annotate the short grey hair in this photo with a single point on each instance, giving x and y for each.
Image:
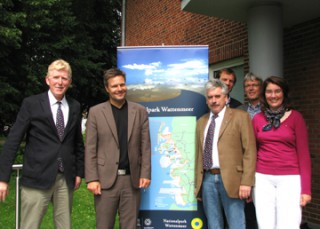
(251, 77)
(216, 83)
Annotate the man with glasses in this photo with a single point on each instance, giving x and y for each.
(252, 88)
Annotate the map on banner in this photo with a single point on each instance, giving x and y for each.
(173, 152)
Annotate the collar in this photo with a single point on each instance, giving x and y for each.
(220, 114)
(228, 101)
(123, 105)
(53, 100)
(255, 107)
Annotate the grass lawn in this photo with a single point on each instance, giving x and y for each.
(83, 213)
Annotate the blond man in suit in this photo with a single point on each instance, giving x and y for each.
(117, 155)
(53, 160)
(224, 183)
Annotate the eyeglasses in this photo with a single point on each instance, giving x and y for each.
(277, 92)
(252, 85)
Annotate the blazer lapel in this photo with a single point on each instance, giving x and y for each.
(72, 117)
(226, 120)
(203, 127)
(108, 114)
(131, 117)
(46, 109)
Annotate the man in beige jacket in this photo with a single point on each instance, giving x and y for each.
(225, 160)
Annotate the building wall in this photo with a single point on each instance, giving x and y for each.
(302, 70)
(161, 22)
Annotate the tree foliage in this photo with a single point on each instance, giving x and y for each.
(33, 33)
(10, 40)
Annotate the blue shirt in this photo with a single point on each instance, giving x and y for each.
(253, 110)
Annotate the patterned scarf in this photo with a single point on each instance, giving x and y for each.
(273, 118)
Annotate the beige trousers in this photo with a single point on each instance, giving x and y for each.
(34, 204)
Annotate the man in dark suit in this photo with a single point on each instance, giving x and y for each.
(228, 76)
(53, 158)
(118, 154)
(225, 159)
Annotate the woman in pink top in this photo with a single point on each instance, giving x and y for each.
(283, 172)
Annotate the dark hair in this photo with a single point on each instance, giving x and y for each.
(228, 71)
(112, 72)
(283, 84)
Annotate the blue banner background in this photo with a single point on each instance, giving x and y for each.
(169, 82)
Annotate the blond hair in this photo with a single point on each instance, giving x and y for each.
(60, 65)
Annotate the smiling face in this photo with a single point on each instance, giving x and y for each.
(216, 100)
(252, 89)
(117, 89)
(274, 96)
(58, 82)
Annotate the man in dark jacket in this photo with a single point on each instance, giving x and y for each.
(228, 76)
(53, 163)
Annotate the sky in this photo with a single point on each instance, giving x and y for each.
(164, 64)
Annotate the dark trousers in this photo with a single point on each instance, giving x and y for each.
(250, 213)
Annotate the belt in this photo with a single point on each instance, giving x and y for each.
(213, 171)
(123, 172)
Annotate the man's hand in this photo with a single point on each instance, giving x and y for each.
(94, 187)
(4, 191)
(77, 183)
(144, 183)
(244, 192)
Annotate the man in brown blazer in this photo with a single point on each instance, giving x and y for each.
(225, 159)
(117, 155)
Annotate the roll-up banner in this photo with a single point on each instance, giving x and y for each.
(169, 82)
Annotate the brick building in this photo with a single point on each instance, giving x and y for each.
(163, 22)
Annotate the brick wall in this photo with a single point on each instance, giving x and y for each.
(302, 70)
(157, 22)
(161, 22)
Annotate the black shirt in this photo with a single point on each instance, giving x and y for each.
(121, 119)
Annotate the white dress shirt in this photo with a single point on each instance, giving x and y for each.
(215, 153)
(54, 107)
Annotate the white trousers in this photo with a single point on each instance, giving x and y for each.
(277, 201)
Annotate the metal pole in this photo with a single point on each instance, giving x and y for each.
(123, 23)
(17, 168)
